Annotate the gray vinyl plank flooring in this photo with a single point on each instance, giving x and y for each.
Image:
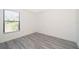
(38, 41)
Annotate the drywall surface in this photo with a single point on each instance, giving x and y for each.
(37, 20)
(77, 27)
(27, 26)
(60, 23)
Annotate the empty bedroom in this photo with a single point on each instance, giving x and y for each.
(39, 28)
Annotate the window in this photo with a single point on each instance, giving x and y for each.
(11, 21)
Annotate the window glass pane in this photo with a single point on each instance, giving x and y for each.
(11, 26)
(11, 16)
(11, 21)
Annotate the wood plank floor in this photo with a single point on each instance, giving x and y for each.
(38, 41)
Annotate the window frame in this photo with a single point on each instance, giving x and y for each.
(12, 21)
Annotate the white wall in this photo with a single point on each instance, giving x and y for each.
(77, 27)
(60, 23)
(27, 26)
